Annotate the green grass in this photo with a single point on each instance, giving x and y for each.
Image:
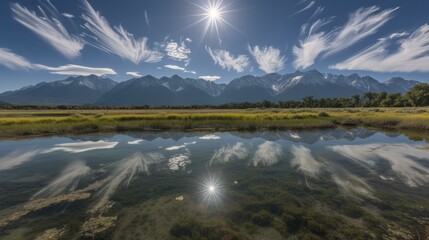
(47, 122)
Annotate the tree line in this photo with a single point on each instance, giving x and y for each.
(418, 96)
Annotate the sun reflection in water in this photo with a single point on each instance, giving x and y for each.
(211, 190)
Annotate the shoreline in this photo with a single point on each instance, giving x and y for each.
(22, 124)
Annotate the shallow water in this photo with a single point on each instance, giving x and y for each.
(334, 183)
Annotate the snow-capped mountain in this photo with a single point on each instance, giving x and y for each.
(175, 90)
(73, 90)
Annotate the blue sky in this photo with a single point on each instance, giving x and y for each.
(50, 40)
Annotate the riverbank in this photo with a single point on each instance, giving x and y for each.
(16, 123)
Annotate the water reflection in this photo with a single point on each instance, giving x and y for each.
(17, 158)
(124, 173)
(228, 153)
(268, 153)
(66, 181)
(304, 161)
(78, 147)
(402, 158)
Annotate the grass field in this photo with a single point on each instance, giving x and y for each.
(14, 123)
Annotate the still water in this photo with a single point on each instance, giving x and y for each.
(327, 184)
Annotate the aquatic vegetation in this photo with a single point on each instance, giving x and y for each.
(52, 234)
(97, 226)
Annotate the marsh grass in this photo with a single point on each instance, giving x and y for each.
(44, 122)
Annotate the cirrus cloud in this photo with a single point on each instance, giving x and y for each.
(269, 58)
(411, 55)
(14, 61)
(116, 40)
(228, 61)
(361, 24)
(49, 28)
(134, 74)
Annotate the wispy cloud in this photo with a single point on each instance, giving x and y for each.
(269, 59)
(308, 6)
(177, 51)
(361, 24)
(14, 61)
(411, 55)
(210, 78)
(312, 44)
(49, 28)
(116, 40)
(178, 68)
(134, 74)
(77, 70)
(68, 15)
(228, 61)
(146, 17)
(317, 12)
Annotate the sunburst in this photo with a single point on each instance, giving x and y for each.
(213, 14)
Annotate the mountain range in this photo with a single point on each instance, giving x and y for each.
(148, 90)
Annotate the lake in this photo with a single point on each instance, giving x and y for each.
(327, 184)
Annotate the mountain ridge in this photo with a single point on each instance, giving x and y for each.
(175, 90)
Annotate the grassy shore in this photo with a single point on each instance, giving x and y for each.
(14, 123)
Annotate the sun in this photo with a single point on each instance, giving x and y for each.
(214, 16)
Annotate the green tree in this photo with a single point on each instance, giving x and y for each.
(419, 95)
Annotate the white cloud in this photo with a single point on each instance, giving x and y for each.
(411, 55)
(146, 17)
(14, 61)
(308, 6)
(49, 28)
(68, 15)
(117, 40)
(311, 45)
(228, 61)
(318, 11)
(361, 24)
(210, 78)
(77, 70)
(188, 40)
(175, 67)
(177, 51)
(269, 59)
(134, 74)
